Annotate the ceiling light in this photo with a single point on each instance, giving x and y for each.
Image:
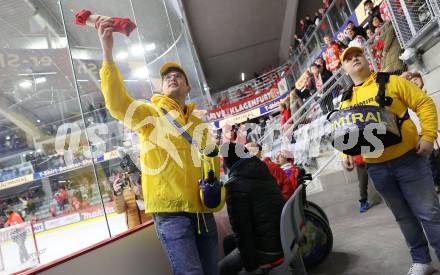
(242, 76)
(38, 121)
(141, 73)
(25, 84)
(122, 55)
(137, 50)
(150, 47)
(8, 138)
(40, 80)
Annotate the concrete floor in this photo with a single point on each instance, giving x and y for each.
(364, 244)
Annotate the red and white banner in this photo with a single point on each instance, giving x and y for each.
(244, 104)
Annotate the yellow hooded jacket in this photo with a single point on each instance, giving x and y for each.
(405, 95)
(171, 167)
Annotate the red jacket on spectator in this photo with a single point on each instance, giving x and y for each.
(13, 219)
(281, 178)
(292, 172)
(285, 115)
(331, 57)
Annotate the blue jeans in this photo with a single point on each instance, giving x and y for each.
(192, 247)
(406, 185)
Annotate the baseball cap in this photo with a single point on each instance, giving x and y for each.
(171, 65)
(350, 50)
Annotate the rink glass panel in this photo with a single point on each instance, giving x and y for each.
(49, 74)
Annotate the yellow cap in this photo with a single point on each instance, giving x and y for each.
(165, 67)
(348, 51)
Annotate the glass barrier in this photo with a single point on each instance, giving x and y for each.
(60, 148)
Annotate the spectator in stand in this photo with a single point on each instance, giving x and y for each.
(282, 180)
(355, 40)
(321, 64)
(225, 100)
(316, 83)
(62, 198)
(309, 22)
(331, 55)
(358, 29)
(370, 32)
(325, 4)
(53, 207)
(254, 208)
(303, 26)
(241, 134)
(342, 39)
(18, 235)
(371, 11)
(304, 92)
(321, 12)
(262, 125)
(295, 102)
(128, 199)
(317, 18)
(376, 22)
(296, 41)
(285, 113)
(285, 161)
(387, 47)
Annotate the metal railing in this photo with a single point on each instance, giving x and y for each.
(413, 19)
(312, 45)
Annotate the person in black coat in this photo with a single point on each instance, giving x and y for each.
(254, 204)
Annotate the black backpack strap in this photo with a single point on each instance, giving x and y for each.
(400, 120)
(347, 94)
(382, 79)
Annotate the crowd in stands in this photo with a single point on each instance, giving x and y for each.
(263, 80)
(378, 36)
(28, 201)
(96, 114)
(11, 141)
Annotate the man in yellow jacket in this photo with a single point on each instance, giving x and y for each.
(401, 174)
(170, 165)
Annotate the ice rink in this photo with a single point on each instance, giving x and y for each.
(62, 241)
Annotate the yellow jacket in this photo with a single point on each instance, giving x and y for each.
(126, 203)
(405, 95)
(171, 167)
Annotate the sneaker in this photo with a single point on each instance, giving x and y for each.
(421, 269)
(364, 206)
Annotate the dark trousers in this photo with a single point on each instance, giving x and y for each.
(363, 182)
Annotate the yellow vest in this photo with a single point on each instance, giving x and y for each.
(405, 95)
(171, 167)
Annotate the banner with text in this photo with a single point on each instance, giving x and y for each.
(244, 104)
